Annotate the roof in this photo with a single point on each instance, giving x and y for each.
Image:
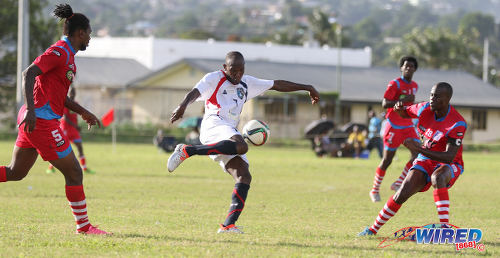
(359, 84)
(104, 71)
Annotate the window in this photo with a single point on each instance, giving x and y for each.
(327, 109)
(479, 119)
(280, 109)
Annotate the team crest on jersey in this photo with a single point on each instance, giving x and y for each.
(70, 75)
(71, 66)
(240, 92)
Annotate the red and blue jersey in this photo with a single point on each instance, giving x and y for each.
(436, 133)
(396, 90)
(58, 68)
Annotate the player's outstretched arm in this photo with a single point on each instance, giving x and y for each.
(188, 99)
(288, 86)
(90, 118)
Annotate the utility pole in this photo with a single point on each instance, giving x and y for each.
(23, 37)
(485, 59)
(338, 31)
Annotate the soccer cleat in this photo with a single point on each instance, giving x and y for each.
(229, 229)
(177, 157)
(94, 231)
(375, 197)
(88, 171)
(366, 232)
(395, 186)
(50, 170)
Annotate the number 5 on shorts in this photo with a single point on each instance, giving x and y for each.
(57, 136)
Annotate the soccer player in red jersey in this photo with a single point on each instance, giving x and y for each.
(439, 162)
(398, 129)
(69, 125)
(45, 83)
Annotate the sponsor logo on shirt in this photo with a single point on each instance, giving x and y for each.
(56, 52)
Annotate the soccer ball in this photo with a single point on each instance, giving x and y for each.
(256, 132)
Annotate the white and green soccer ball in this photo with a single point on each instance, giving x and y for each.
(256, 132)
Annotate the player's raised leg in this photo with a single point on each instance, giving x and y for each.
(225, 147)
(397, 184)
(415, 181)
(238, 168)
(73, 175)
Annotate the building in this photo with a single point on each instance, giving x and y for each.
(155, 95)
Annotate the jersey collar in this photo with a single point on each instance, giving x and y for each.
(403, 78)
(442, 118)
(69, 44)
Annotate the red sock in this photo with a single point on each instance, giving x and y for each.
(82, 162)
(379, 176)
(402, 177)
(389, 210)
(3, 174)
(442, 204)
(76, 198)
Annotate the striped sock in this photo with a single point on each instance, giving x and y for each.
(76, 198)
(389, 210)
(442, 204)
(82, 162)
(3, 174)
(237, 203)
(402, 177)
(379, 176)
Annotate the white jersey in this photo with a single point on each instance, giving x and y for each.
(224, 99)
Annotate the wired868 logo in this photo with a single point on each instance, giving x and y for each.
(461, 238)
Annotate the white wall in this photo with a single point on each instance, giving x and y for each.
(156, 53)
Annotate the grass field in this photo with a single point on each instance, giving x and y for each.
(298, 205)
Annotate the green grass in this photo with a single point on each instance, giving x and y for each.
(298, 205)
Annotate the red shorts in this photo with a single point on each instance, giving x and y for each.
(428, 166)
(394, 136)
(47, 138)
(72, 134)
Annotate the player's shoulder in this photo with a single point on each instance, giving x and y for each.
(57, 49)
(214, 76)
(456, 116)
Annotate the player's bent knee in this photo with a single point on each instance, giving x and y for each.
(17, 175)
(241, 147)
(438, 180)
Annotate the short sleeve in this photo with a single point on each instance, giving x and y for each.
(207, 85)
(457, 131)
(392, 91)
(257, 86)
(51, 59)
(415, 110)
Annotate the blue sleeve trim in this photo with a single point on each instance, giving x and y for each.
(397, 83)
(46, 112)
(421, 157)
(422, 109)
(457, 124)
(77, 140)
(64, 153)
(389, 149)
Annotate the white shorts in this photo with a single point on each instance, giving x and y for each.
(213, 129)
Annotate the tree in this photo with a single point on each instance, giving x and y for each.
(440, 48)
(484, 24)
(43, 32)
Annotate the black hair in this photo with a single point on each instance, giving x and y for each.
(73, 21)
(409, 59)
(234, 55)
(446, 86)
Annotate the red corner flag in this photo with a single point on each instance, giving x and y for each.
(108, 118)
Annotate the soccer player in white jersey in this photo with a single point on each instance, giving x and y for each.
(224, 93)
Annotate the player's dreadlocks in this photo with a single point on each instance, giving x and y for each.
(73, 21)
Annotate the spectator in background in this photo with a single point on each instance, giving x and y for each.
(356, 141)
(374, 139)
